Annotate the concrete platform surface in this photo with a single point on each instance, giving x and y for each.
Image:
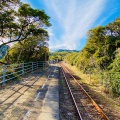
(50, 108)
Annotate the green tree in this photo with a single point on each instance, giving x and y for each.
(23, 22)
(99, 55)
(32, 49)
(114, 74)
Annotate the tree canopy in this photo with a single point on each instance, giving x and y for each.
(19, 21)
(25, 26)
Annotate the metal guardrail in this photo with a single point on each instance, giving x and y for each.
(12, 71)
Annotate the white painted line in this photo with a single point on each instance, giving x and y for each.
(55, 69)
(52, 75)
(43, 86)
(49, 75)
(37, 96)
(27, 115)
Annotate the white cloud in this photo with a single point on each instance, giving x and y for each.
(76, 17)
(50, 32)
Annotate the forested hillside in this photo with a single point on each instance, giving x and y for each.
(60, 54)
(65, 50)
(101, 56)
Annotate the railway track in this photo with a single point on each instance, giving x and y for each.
(86, 108)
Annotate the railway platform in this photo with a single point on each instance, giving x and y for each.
(34, 97)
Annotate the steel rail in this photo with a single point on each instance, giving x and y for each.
(79, 114)
(92, 101)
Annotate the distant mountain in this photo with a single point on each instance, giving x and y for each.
(3, 51)
(63, 50)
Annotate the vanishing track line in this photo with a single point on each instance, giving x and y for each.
(86, 107)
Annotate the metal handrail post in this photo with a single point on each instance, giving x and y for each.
(32, 67)
(23, 69)
(37, 64)
(4, 73)
(43, 65)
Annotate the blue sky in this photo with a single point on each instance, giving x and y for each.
(71, 19)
